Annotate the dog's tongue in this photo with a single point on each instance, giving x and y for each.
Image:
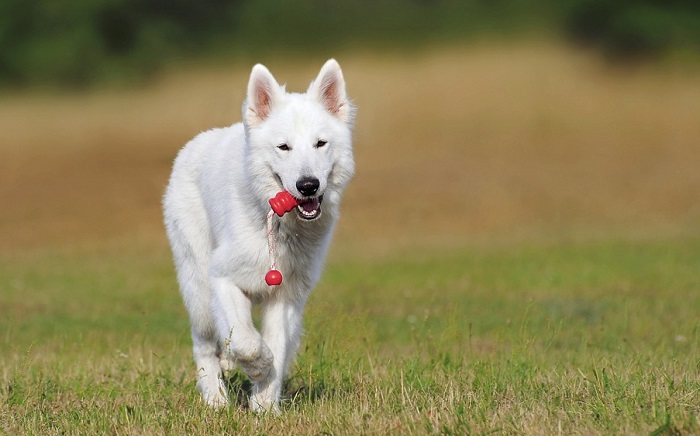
(310, 205)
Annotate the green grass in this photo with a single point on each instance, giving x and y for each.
(573, 338)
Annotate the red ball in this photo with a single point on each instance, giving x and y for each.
(273, 277)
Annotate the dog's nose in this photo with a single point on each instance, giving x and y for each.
(308, 186)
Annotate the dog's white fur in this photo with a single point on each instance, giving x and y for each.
(215, 209)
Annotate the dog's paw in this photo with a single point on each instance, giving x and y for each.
(213, 394)
(255, 360)
(216, 401)
(227, 363)
(262, 404)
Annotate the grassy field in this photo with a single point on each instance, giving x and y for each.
(519, 253)
(573, 339)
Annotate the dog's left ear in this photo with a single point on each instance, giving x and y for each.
(329, 90)
(263, 94)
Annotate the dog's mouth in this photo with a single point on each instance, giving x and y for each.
(309, 208)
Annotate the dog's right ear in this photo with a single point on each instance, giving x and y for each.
(329, 90)
(263, 93)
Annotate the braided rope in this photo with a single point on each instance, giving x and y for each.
(271, 240)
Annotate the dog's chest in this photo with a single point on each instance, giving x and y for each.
(298, 255)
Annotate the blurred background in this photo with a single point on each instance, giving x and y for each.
(479, 122)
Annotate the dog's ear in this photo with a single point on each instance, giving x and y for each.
(263, 93)
(329, 90)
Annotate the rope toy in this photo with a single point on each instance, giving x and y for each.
(280, 204)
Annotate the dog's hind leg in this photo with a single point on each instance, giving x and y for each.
(195, 291)
(209, 379)
(205, 346)
(190, 242)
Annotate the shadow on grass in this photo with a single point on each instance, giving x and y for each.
(239, 389)
(298, 392)
(295, 393)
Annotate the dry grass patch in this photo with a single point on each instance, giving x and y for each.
(453, 145)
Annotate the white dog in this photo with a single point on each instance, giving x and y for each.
(215, 208)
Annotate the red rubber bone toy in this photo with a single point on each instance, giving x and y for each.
(281, 203)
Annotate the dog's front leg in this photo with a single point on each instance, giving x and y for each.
(282, 327)
(232, 311)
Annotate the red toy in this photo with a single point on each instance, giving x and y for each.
(273, 277)
(281, 203)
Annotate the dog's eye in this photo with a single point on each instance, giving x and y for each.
(283, 147)
(321, 143)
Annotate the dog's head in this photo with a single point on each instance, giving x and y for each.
(301, 143)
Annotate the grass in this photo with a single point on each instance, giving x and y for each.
(573, 338)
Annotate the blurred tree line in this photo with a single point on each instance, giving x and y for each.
(634, 28)
(79, 42)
